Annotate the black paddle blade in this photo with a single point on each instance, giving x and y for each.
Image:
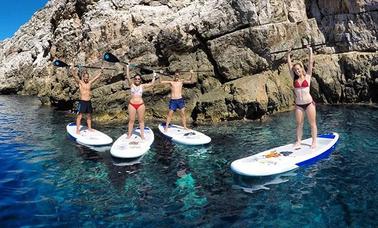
(109, 57)
(59, 63)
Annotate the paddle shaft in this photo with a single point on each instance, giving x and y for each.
(94, 67)
(196, 71)
(313, 45)
(109, 57)
(60, 63)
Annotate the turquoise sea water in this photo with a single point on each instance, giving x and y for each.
(48, 180)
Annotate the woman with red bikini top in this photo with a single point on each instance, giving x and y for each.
(136, 105)
(302, 90)
(304, 103)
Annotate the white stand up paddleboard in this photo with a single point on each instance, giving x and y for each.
(285, 158)
(134, 146)
(87, 137)
(179, 134)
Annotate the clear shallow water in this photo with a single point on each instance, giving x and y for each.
(47, 180)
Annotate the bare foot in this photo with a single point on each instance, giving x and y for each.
(78, 132)
(129, 136)
(90, 129)
(313, 145)
(297, 145)
(166, 129)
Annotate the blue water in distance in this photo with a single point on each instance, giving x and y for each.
(48, 180)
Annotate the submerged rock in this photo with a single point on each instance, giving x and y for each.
(240, 44)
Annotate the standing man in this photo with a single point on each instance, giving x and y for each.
(177, 101)
(85, 104)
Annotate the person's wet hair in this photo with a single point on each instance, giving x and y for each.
(176, 74)
(82, 73)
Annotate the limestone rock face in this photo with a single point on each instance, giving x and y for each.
(237, 46)
(246, 98)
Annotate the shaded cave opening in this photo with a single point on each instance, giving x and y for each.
(70, 105)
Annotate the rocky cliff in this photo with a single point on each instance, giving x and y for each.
(242, 42)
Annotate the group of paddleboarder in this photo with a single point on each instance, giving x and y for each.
(304, 103)
(136, 106)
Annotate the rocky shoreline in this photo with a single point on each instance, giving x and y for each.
(242, 42)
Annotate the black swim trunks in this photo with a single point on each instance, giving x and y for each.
(85, 107)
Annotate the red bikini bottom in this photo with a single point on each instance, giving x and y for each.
(136, 106)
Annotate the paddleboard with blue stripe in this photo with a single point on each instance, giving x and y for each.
(285, 158)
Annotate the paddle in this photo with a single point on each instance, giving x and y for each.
(297, 48)
(196, 71)
(109, 57)
(316, 45)
(60, 63)
(171, 73)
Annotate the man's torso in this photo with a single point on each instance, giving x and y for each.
(176, 90)
(85, 91)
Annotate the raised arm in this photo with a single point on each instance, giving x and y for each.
(127, 76)
(97, 76)
(145, 85)
(289, 63)
(191, 81)
(74, 74)
(310, 61)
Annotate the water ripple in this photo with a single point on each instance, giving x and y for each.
(46, 180)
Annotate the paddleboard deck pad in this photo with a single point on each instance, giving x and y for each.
(181, 135)
(285, 158)
(134, 146)
(88, 137)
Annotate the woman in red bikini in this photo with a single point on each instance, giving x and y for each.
(136, 105)
(303, 100)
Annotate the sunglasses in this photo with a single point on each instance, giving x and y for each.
(137, 79)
